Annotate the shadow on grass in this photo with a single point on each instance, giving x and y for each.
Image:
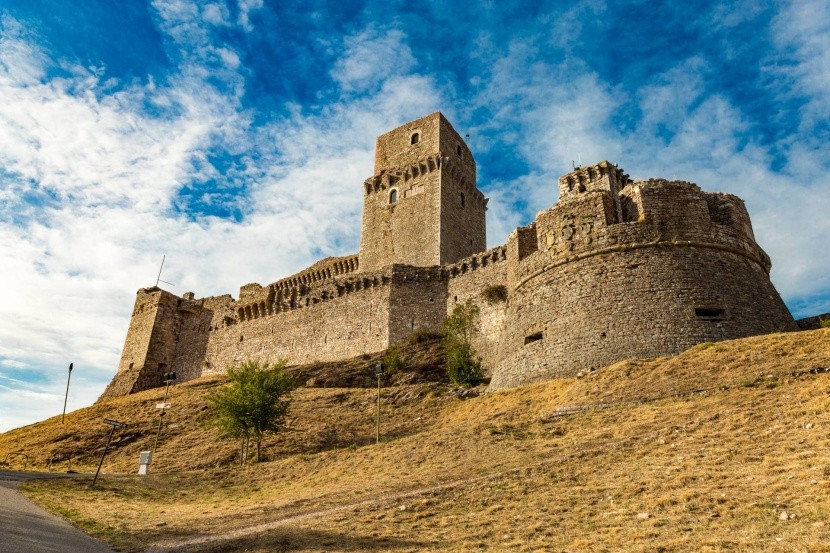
(304, 539)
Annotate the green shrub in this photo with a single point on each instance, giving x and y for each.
(463, 367)
(393, 359)
(495, 294)
(824, 323)
(421, 336)
(253, 404)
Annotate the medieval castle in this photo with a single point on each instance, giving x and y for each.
(615, 269)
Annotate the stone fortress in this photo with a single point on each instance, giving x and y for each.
(615, 269)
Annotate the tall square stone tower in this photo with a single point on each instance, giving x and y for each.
(422, 206)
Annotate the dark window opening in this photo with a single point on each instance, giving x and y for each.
(458, 150)
(393, 197)
(240, 338)
(131, 366)
(463, 199)
(415, 138)
(535, 337)
(710, 313)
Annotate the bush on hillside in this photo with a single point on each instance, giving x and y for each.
(393, 359)
(253, 404)
(457, 330)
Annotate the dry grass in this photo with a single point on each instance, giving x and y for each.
(699, 452)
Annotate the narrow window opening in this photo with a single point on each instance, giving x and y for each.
(535, 337)
(131, 366)
(393, 197)
(458, 150)
(240, 338)
(710, 313)
(415, 138)
(463, 200)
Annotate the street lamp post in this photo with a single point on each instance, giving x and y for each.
(378, 373)
(168, 378)
(66, 397)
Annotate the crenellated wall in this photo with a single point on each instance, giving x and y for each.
(615, 269)
(650, 269)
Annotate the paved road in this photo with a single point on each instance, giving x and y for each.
(26, 528)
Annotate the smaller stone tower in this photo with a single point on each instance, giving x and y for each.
(422, 207)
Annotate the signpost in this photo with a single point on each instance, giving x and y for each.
(168, 378)
(67, 392)
(114, 424)
(378, 373)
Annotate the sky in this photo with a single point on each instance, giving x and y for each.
(233, 137)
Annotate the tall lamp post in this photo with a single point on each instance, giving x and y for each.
(378, 373)
(168, 378)
(66, 397)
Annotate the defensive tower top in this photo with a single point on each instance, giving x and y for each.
(422, 207)
(600, 176)
(425, 137)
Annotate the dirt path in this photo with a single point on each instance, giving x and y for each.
(384, 500)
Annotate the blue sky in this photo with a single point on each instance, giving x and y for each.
(233, 136)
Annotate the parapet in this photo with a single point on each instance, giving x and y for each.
(600, 176)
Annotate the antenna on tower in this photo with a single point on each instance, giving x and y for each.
(466, 137)
(158, 278)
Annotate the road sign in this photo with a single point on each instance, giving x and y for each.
(115, 423)
(161, 405)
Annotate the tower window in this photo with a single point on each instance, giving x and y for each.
(462, 199)
(414, 138)
(393, 197)
(458, 149)
(711, 313)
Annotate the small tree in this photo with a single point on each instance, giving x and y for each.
(253, 404)
(456, 336)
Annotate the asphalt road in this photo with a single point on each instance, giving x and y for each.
(26, 528)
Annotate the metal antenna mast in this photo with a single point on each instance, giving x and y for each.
(158, 278)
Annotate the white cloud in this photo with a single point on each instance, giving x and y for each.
(110, 173)
(802, 31)
(371, 57)
(246, 7)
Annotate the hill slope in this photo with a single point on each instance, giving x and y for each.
(723, 447)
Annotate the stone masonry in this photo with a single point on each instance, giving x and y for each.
(615, 269)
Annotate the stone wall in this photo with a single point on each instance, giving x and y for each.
(335, 319)
(479, 278)
(601, 288)
(150, 345)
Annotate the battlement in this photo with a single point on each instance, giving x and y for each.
(600, 176)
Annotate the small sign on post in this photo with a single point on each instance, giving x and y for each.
(161, 405)
(115, 424)
(144, 460)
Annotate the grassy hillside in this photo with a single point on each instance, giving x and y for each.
(724, 447)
